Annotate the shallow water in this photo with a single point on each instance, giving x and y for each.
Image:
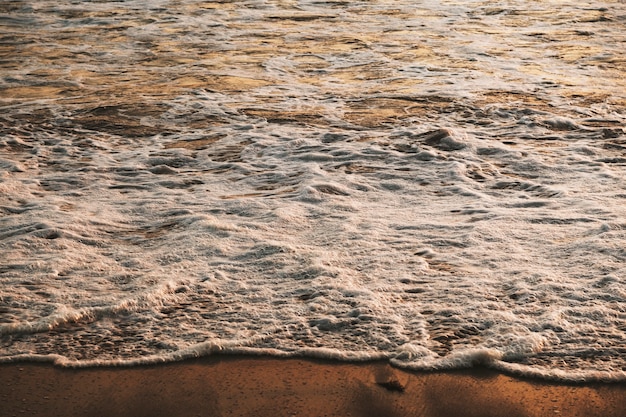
(435, 183)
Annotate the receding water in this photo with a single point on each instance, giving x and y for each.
(435, 183)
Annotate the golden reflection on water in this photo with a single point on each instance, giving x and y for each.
(558, 53)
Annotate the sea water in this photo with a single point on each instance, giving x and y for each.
(435, 183)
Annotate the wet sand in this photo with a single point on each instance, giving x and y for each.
(260, 386)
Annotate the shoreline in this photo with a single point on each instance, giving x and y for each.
(268, 386)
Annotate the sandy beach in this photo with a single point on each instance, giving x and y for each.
(261, 386)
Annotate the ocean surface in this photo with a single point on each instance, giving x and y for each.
(440, 184)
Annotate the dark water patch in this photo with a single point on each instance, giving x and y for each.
(534, 189)
(117, 120)
(619, 145)
(331, 189)
(416, 290)
(558, 220)
(14, 210)
(228, 152)
(529, 204)
(163, 170)
(335, 137)
(127, 171)
(179, 161)
(63, 184)
(302, 17)
(180, 184)
(612, 160)
(10, 166)
(540, 137)
(470, 211)
(288, 116)
(17, 21)
(441, 139)
(129, 187)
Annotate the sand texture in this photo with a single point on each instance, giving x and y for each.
(242, 386)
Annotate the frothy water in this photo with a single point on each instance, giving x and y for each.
(439, 184)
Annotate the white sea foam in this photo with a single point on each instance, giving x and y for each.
(437, 184)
